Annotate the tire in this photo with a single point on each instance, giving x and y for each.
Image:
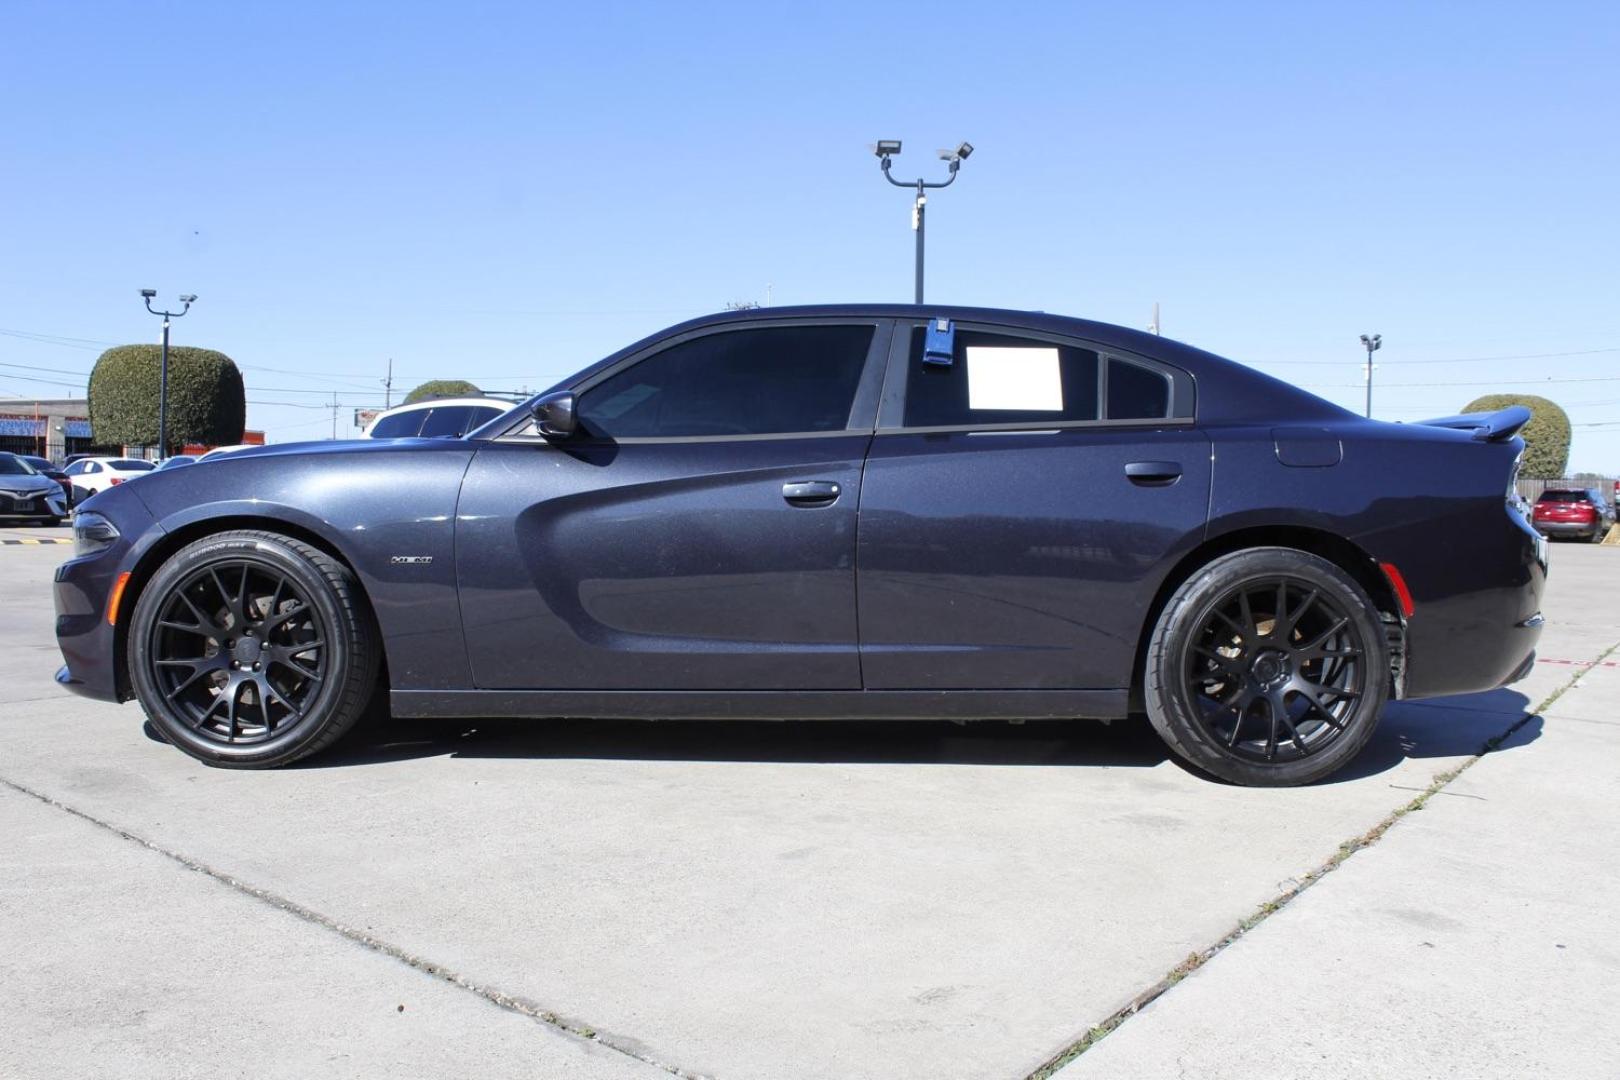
(251, 649)
(1218, 656)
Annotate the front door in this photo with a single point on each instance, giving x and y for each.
(1020, 509)
(697, 534)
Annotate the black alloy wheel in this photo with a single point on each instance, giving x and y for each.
(1267, 667)
(239, 651)
(1276, 669)
(252, 649)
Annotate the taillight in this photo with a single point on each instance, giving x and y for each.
(116, 480)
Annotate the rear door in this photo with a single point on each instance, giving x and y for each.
(1023, 499)
(697, 534)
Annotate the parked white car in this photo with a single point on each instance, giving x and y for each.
(437, 419)
(220, 451)
(93, 474)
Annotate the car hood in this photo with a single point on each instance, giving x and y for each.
(334, 448)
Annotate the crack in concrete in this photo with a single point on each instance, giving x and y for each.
(499, 998)
(1196, 960)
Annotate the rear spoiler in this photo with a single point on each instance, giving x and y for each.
(1498, 426)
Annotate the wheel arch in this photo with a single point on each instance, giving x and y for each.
(178, 537)
(1345, 554)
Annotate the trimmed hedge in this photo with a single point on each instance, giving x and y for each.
(206, 401)
(436, 388)
(1546, 436)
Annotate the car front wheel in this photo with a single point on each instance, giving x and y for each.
(251, 649)
(1267, 667)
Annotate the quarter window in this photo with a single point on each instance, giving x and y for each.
(765, 381)
(1136, 392)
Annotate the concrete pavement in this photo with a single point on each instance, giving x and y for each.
(729, 900)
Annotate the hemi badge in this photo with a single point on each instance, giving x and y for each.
(409, 560)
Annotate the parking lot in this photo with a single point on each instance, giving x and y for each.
(572, 899)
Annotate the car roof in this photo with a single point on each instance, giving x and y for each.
(1236, 393)
(432, 403)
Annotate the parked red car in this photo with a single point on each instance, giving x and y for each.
(1578, 512)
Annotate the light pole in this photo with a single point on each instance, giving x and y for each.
(163, 365)
(1371, 342)
(887, 148)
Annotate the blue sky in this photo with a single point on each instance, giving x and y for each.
(507, 192)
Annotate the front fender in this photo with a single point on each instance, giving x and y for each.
(388, 514)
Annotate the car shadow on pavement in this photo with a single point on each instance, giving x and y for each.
(1443, 728)
(1128, 743)
(1447, 728)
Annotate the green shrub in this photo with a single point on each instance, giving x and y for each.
(1546, 436)
(436, 388)
(206, 400)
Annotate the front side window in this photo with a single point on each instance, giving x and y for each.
(399, 426)
(765, 381)
(450, 421)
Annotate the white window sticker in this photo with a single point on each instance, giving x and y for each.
(1027, 380)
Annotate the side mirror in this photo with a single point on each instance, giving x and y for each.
(554, 415)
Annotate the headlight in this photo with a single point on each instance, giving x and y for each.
(92, 533)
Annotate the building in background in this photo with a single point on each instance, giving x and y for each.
(51, 428)
(58, 427)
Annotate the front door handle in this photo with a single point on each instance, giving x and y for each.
(811, 492)
(1153, 473)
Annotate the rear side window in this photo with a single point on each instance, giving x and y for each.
(400, 425)
(999, 379)
(764, 381)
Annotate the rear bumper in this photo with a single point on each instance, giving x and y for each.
(1484, 633)
(1566, 528)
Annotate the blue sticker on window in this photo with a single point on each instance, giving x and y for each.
(939, 344)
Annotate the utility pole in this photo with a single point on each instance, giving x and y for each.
(388, 387)
(163, 365)
(334, 414)
(887, 148)
(1372, 343)
(1153, 328)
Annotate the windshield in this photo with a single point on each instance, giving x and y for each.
(12, 465)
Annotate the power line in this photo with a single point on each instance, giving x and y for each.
(1460, 359)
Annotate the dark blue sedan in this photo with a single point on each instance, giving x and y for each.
(833, 512)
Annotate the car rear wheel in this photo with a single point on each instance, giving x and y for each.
(251, 649)
(1267, 668)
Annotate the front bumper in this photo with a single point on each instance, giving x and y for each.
(41, 506)
(89, 643)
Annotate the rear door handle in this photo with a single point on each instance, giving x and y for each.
(811, 492)
(1153, 473)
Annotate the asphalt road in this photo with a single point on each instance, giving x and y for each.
(736, 900)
